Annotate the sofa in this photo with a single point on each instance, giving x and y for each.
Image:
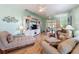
(69, 46)
(9, 42)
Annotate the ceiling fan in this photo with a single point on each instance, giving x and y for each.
(41, 8)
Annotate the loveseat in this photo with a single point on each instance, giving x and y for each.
(69, 46)
(9, 42)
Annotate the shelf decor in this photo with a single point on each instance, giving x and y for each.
(9, 19)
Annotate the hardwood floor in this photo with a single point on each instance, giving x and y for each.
(35, 49)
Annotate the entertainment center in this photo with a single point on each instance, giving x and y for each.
(32, 26)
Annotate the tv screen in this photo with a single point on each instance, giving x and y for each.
(34, 27)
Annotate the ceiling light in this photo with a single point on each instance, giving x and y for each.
(41, 9)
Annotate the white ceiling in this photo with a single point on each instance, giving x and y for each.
(50, 9)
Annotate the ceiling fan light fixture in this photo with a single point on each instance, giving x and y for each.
(41, 9)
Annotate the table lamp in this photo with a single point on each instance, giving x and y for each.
(70, 30)
(22, 29)
(69, 27)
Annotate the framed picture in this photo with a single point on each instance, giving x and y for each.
(70, 20)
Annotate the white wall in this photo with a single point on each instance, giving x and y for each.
(7, 10)
(75, 18)
(15, 11)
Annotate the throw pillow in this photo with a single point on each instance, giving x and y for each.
(9, 38)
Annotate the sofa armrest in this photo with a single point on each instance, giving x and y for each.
(48, 48)
(66, 46)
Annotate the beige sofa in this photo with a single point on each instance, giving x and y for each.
(9, 42)
(69, 46)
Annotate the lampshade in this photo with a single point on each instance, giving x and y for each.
(69, 27)
(21, 28)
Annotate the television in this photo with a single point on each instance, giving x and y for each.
(34, 27)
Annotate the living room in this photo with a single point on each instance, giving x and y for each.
(39, 28)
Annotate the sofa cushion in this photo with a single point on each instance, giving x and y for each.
(76, 50)
(66, 46)
(48, 48)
